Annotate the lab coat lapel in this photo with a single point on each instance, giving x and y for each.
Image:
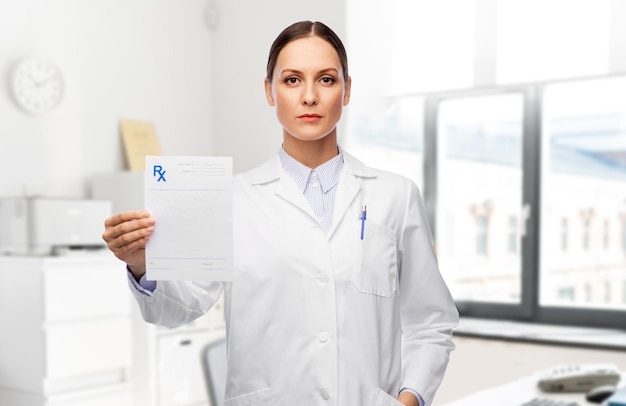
(350, 185)
(349, 188)
(273, 174)
(286, 189)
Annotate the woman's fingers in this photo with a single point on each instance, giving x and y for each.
(126, 222)
(127, 232)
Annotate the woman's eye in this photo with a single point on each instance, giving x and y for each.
(328, 80)
(291, 81)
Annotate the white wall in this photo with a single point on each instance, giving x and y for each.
(140, 59)
(152, 60)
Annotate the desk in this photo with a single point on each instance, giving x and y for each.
(517, 392)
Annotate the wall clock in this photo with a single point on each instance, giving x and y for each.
(37, 85)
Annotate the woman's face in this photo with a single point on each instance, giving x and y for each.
(308, 89)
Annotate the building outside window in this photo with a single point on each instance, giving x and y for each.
(586, 231)
(607, 291)
(606, 232)
(564, 234)
(567, 293)
(481, 235)
(624, 233)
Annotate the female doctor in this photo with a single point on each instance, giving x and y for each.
(337, 298)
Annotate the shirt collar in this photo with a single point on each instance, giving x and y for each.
(328, 172)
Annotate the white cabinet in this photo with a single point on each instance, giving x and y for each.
(65, 331)
(179, 370)
(167, 361)
(71, 335)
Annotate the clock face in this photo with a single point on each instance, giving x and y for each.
(37, 85)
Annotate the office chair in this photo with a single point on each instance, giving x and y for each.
(214, 368)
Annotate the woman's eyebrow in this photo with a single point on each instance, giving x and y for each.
(298, 72)
(290, 71)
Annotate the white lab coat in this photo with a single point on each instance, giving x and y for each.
(314, 317)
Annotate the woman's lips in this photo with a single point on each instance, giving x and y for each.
(309, 118)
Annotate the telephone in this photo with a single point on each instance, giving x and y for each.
(578, 378)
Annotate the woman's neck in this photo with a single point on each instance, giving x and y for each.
(311, 153)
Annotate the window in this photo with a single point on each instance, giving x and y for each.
(584, 177)
(391, 137)
(559, 161)
(526, 55)
(478, 172)
(442, 45)
(523, 176)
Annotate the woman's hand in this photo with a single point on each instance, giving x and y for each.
(408, 399)
(126, 235)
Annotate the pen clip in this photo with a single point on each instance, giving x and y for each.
(363, 217)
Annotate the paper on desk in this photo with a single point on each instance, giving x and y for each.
(191, 199)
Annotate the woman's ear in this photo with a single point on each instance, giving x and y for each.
(268, 93)
(346, 95)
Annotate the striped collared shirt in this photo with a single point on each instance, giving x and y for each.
(318, 184)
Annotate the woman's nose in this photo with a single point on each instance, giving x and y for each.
(309, 97)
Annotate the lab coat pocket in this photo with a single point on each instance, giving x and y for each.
(385, 399)
(260, 397)
(376, 264)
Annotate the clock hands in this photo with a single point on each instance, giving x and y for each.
(37, 85)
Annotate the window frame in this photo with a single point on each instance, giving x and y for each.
(528, 310)
(513, 235)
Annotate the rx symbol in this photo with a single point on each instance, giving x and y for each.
(158, 170)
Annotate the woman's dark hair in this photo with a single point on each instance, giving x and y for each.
(304, 29)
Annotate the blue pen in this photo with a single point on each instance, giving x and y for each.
(363, 216)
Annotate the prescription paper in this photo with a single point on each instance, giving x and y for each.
(190, 198)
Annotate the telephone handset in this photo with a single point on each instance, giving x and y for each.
(578, 378)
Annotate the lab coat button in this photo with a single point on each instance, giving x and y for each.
(323, 279)
(324, 394)
(323, 336)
